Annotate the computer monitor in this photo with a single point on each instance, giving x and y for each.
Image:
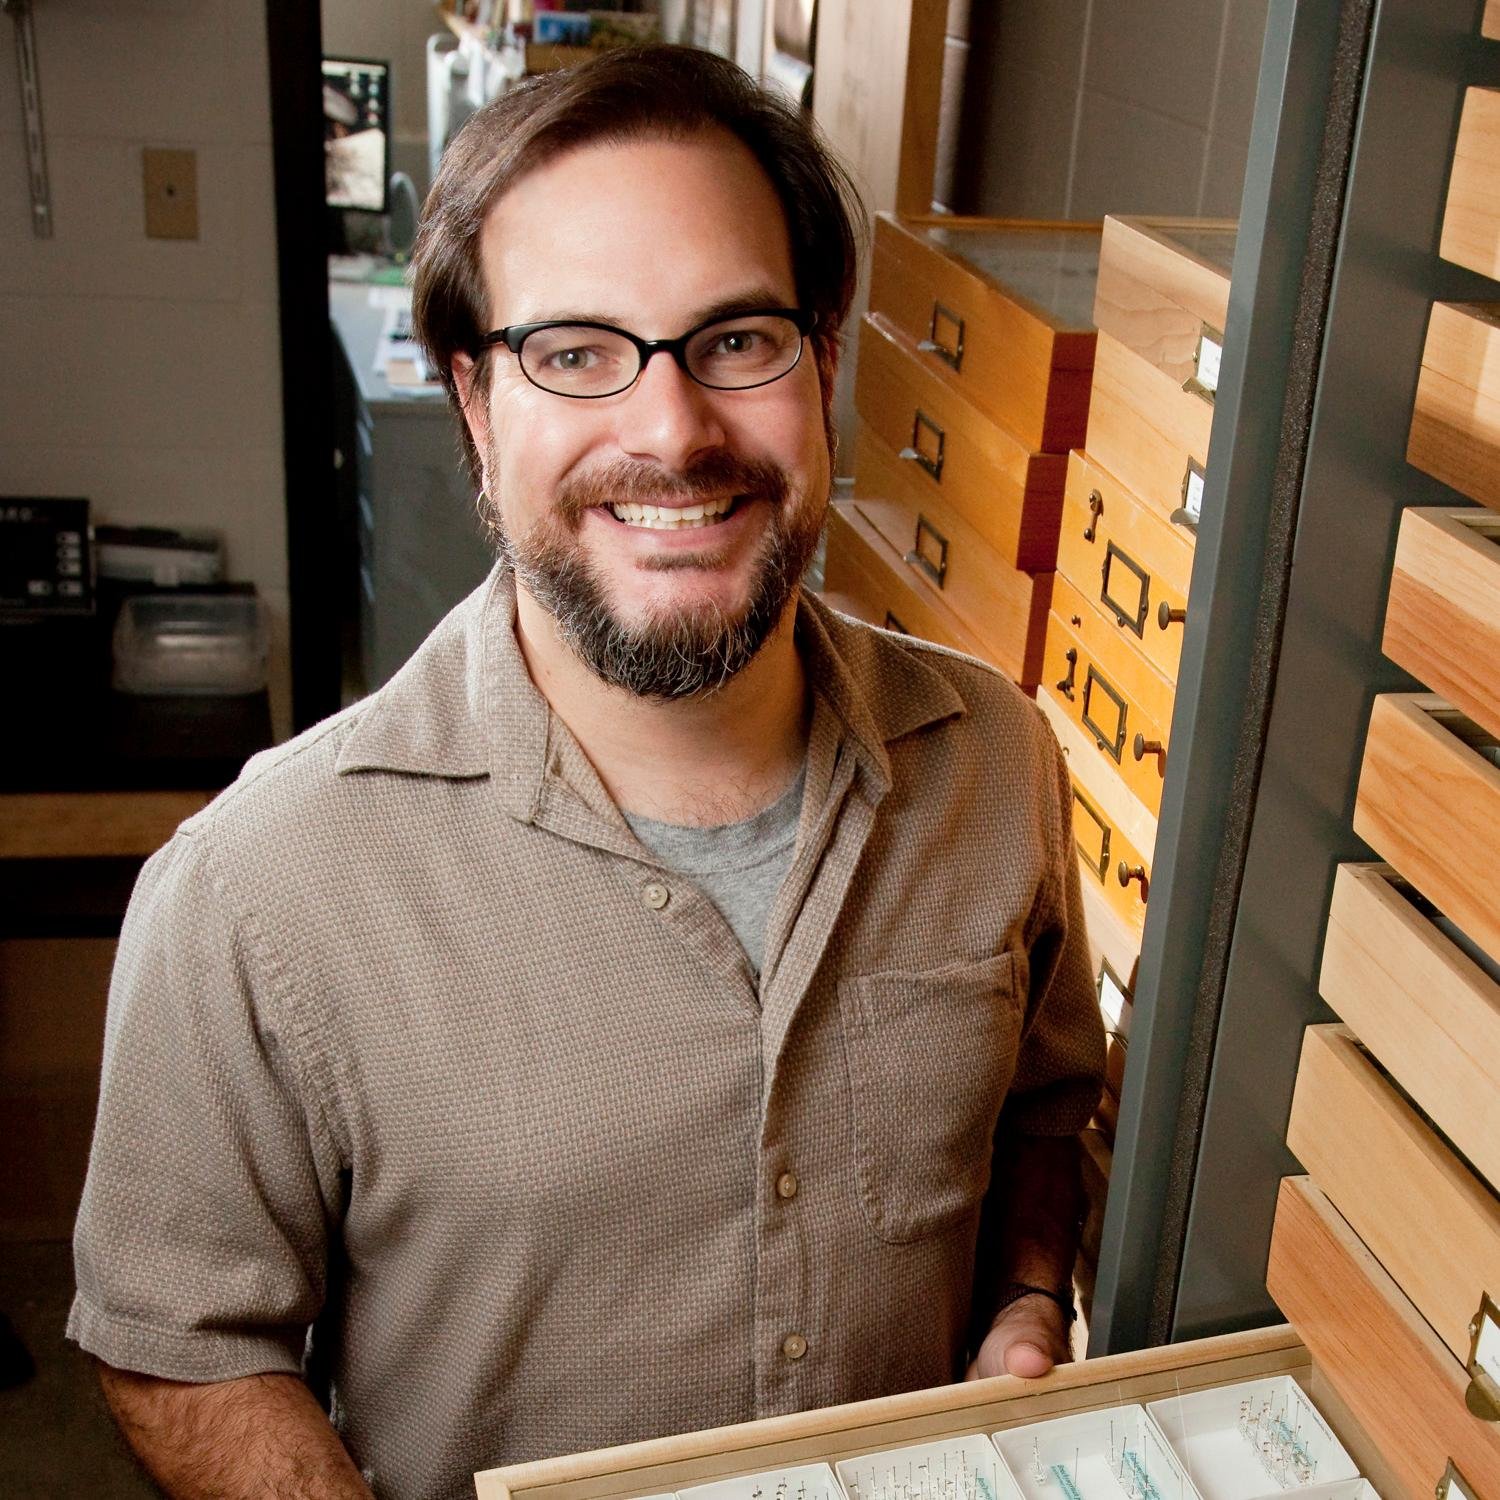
(356, 133)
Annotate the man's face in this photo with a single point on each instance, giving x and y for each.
(652, 236)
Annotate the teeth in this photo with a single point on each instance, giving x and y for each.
(671, 518)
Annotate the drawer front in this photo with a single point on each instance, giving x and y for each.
(1471, 219)
(1442, 619)
(1455, 421)
(1162, 300)
(1004, 608)
(947, 447)
(1111, 939)
(1399, 1381)
(1427, 1219)
(862, 568)
(1120, 555)
(998, 350)
(1429, 803)
(1123, 809)
(1147, 432)
(1110, 862)
(1126, 742)
(1423, 1006)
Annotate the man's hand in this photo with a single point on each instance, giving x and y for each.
(1026, 1339)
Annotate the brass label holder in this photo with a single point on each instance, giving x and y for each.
(931, 558)
(1453, 1485)
(950, 349)
(1483, 1395)
(1209, 355)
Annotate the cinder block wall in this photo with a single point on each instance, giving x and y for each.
(1078, 108)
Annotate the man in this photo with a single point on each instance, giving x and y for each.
(613, 1025)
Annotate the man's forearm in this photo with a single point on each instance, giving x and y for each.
(1041, 1189)
(264, 1435)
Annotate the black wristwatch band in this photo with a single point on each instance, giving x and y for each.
(1013, 1291)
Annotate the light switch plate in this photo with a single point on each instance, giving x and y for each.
(170, 182)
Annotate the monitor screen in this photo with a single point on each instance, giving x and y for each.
(356, 133)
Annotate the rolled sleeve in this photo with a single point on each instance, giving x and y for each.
(202, 1238)
(1060, 1070)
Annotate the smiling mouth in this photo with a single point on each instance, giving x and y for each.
(675, 517)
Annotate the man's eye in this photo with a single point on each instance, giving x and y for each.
(740, 341)
(577, 358)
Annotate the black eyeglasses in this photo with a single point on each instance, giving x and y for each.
(590, 360)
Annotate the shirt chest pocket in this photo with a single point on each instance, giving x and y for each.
(930, 1058)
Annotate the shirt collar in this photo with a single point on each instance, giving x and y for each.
(465, 706)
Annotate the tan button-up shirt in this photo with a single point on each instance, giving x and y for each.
(411, 1040)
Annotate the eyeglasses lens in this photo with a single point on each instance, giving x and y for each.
(577, 360)
(742, 352)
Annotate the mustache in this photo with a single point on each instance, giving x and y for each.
(642, 483)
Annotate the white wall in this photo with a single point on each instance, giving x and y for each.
(1079, 108)
(145, 374)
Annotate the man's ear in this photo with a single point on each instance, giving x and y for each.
(471, 400)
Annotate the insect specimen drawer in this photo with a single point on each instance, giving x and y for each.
(1125, 1427)
(1001, 311)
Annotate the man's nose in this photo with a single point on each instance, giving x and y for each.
(667, 416)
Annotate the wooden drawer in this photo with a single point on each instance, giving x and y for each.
(1148, 432)
(1164, 294)
(1426, 1009)
(1002, 312)
(1399, 1381)
(836, 1432)
(1105, 855)
(1471, 221)
(947, 447)
(1429, 1221)
(1429, 802)
(1442, 621)
(1116, 698)
(1124, 810)
(1455, 421)
(863, 569)
(1112, 940)
(1124, 557)
(1005, 609)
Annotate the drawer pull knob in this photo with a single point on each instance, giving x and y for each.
(1144, 747)
(1065, 687)
(944, 322)
(926, 446)
(1166, 616)
(1127, 873)
(1096, 509)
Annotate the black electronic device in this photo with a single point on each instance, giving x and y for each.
(356, 134)
(46, 558)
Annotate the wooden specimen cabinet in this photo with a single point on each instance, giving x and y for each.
(974, 371)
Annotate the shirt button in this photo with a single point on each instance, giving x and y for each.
(657, 895)
(786, 1185)
(794, 1346)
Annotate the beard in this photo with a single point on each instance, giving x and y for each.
(692, 650)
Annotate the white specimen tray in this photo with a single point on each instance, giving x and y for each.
(1204, 1428)
(1081, 1446)
(1345, 1489)
(795, 1482)
(956, 1468)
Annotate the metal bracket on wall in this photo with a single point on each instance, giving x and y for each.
(31, 116)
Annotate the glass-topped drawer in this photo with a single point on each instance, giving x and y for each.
(1002, 310)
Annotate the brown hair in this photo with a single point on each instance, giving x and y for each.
(624, 94)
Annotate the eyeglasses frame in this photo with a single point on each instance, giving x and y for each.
(517, 334)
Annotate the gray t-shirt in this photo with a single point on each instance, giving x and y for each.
(738, 866)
